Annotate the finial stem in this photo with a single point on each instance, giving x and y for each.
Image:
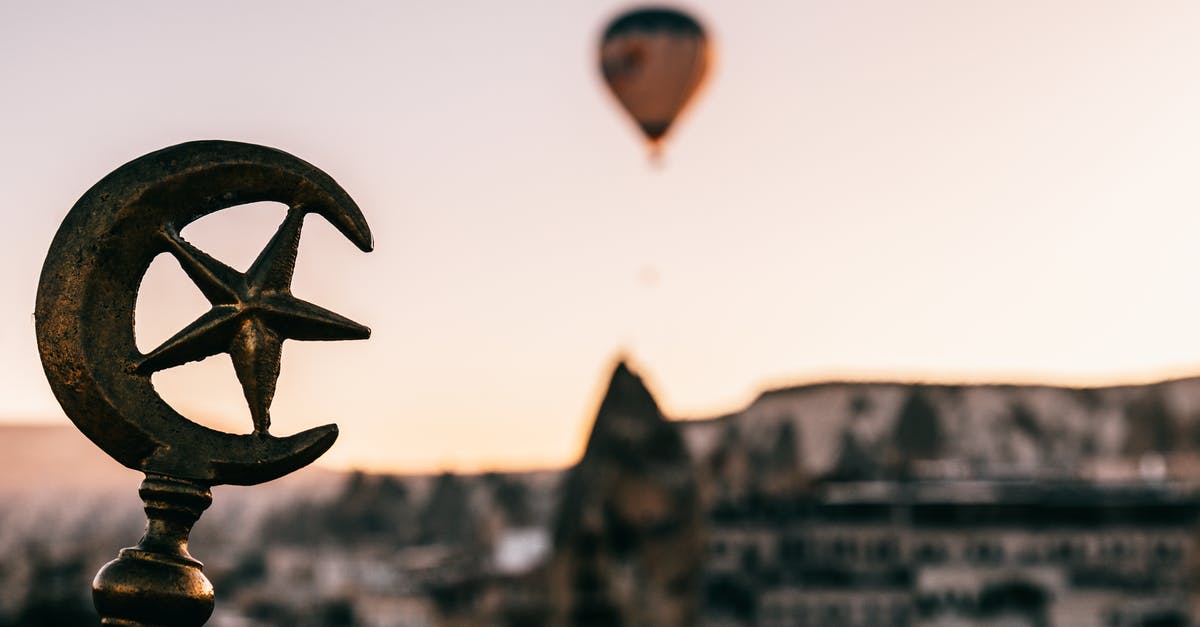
(158, 583)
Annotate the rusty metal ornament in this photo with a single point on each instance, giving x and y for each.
(85, 330)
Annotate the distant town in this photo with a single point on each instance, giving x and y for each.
(837, 504)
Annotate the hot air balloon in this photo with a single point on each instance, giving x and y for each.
(654, 59)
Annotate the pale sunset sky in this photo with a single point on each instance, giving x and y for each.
(936, 190)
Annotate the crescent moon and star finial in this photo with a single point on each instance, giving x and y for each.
(88, 290)
(84, 318)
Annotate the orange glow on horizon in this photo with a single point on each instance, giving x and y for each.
(928, 191)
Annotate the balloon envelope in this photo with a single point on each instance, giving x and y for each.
(654, 59)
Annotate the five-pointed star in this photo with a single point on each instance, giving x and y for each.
(252, 314)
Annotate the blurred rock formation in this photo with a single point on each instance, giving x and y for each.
(628, 540)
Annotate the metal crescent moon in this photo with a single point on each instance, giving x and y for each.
(88, 290)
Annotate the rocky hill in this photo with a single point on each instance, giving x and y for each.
(876, 430)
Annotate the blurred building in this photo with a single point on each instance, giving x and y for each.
(933, 553)
(953, 505)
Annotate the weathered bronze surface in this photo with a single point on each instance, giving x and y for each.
(158, 582)
(84, 317)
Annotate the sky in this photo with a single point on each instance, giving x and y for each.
(927, 190)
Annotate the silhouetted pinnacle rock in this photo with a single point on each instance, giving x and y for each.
(628, 538)
(916, 436)
(854, 462)
(1151, 426)
(630, 427)
(918, 430)
(448, 516)
(368, 509)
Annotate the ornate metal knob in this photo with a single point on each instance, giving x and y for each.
(84, 316)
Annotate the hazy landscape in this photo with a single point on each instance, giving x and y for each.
(325, 547)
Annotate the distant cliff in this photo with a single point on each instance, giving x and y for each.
(894, 430)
